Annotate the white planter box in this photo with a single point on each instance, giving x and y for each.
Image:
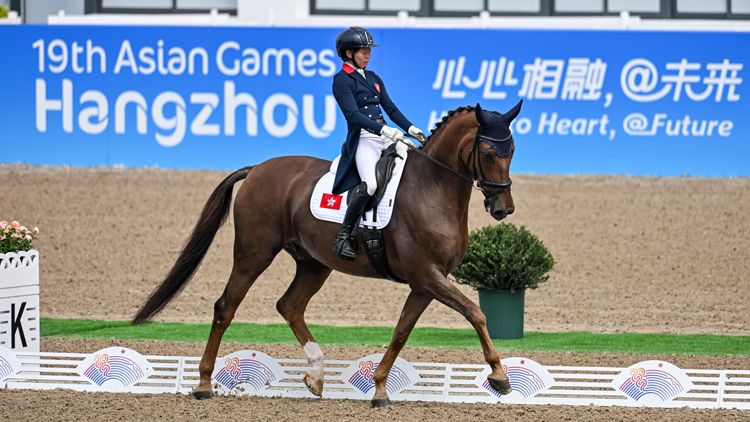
(19, 301)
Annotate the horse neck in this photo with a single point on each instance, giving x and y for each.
(447, 146)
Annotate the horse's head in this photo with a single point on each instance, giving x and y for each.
(490, 155)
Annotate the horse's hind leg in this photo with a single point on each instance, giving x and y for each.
(308, 280)
(246, 269)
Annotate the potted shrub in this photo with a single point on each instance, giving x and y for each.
(502, 261)
(19, 288)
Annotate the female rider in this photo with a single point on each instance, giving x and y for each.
(360, 94)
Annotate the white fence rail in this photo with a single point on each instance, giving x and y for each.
(650, 383)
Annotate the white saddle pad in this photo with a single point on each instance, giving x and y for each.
(328, 207)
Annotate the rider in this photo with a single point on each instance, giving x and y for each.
(360, 94)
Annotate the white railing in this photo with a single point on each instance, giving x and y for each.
(438, 382)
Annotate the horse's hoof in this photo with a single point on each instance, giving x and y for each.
(314, 385)
(501, 386)
(386, 402)
(202, 395)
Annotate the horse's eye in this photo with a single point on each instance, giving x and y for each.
(487, 156)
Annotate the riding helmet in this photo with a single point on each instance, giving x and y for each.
(352, 38)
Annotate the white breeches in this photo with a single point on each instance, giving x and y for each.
(368, 153)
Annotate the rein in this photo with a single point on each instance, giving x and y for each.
(480, 184)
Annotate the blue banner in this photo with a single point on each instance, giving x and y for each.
(600, 102)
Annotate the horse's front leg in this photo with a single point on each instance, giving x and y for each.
(415, 304)
(441, 289)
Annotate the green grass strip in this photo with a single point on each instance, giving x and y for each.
(694, 344)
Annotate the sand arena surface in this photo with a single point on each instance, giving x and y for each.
(634, 254)
(667, 255)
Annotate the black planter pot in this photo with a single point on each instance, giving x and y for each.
(504, 312)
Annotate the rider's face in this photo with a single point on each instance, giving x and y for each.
(362, 56)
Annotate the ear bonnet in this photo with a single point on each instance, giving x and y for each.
(494, 129)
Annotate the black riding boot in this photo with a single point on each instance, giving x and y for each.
(345, 243)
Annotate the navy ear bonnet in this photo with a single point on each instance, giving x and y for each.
(494, 129)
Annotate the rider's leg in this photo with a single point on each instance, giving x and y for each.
(369, 150)
(345, 243)
(367, 155)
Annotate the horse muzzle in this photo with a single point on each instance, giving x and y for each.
(496, 209)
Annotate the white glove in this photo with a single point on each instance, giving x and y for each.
(415, 132)
(393, 134)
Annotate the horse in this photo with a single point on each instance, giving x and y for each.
(425, 240)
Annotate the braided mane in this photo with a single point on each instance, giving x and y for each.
(450, 115)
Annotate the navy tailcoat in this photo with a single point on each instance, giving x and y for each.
(362, 100)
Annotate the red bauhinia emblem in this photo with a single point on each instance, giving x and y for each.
(377, 86)
(332, 202)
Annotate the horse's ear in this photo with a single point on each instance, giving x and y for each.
(482, 117)
(513, 112)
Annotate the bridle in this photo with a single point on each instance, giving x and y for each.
(480, 184)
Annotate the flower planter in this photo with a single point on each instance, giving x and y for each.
(504, 312)
(19, 301)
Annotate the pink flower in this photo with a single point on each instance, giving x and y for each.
(24, 229)
(3, 225)
(2, 237)
(36, 230)
(15, 224)
(28, 237)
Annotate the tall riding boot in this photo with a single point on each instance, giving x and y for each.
(345, 243)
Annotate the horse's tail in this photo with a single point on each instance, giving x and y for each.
(212, 218)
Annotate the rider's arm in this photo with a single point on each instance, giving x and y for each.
(393, 112)
(343, 91)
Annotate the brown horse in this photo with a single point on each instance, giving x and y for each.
(425, 240)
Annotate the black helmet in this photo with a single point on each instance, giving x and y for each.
(351, 38)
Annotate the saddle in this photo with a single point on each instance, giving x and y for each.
(372, 237)
(383, 174)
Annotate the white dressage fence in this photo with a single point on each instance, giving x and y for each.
(115, 369)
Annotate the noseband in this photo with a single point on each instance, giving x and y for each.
(481, 185)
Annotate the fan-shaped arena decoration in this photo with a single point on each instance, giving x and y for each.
(527, 378)
(360, 375)
(115, 368)
(652, 382)
(246, 371)
(9, 364)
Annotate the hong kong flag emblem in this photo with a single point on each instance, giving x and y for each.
(377, 86)
(332, 202)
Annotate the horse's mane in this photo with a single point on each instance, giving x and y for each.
(450, 115)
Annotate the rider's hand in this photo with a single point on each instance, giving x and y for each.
(415, 131)
(393, 134)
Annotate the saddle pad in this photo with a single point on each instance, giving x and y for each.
(328, 207)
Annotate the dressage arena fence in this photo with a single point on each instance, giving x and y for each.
(116, 369)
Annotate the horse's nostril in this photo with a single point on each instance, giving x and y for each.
(511, 210)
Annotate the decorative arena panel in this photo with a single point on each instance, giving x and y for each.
(649, 383)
